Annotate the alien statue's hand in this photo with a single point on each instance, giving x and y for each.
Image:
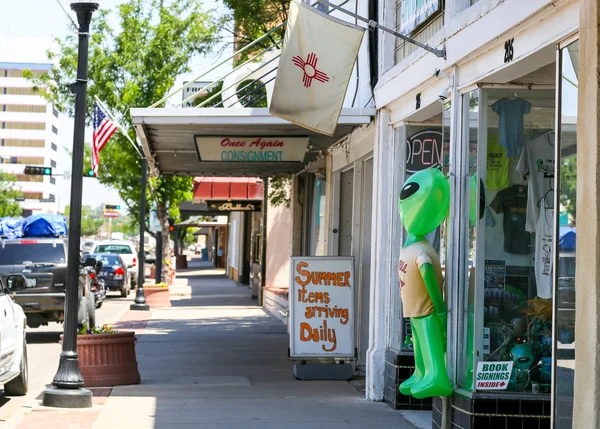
(444, 322)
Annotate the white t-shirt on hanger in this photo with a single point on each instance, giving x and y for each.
(537, 162)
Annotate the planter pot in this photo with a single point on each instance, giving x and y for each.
(157, 297)
(108, 359)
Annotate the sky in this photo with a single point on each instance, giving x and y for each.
(27, 29)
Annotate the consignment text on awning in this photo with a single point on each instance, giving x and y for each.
(254, 149)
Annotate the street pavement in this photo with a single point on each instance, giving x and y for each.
(213, 360)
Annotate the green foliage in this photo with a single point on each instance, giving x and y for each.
(83, 329)
(215, 89)
(568, 185)
(189, 237)
(9, 190)
(252, 94)
(91, 222)
(254, 18)
(279, 191)
(133, 64)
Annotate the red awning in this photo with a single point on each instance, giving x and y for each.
(227, 188)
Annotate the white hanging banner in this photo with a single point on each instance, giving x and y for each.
(322, 307)
(315, 67)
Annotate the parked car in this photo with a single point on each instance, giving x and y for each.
(43, 261)
(113, 272)
(13, 347)
(125, 249)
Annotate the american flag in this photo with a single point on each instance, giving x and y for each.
(103, 131)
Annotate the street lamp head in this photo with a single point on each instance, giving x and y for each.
(84, 10)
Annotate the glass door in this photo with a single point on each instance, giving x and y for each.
(565, 221)
(468, 341)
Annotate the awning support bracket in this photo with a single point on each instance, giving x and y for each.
(441, 53)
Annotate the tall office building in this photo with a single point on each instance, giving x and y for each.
(28, 136)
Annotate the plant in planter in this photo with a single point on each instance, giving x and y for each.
(107, 356)
(157, 295)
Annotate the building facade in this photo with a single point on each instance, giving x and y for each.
(28, 136)
(498, 116)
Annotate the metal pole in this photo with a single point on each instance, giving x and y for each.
(139, 303)
(158, 258)
(67, 391)
(441, 53)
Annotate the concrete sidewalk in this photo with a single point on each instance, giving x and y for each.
(216, 360)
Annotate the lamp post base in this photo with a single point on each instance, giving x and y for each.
(67, 398)
(141, 307)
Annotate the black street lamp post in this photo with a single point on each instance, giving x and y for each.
(140, 301)
(67, 391)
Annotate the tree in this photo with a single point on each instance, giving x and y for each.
(9, 191)
(252, 19)
(568, 185)
(90, 223)
(134, 65)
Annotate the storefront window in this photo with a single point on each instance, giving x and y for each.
(424, 148)
(564, 330)
(516, 211)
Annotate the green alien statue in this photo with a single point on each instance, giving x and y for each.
(423, 205)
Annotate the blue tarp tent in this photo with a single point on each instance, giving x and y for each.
(11, 227)
(44, 225)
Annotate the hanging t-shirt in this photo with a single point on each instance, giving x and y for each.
(416, 301)
(497, 165)
(543, 251)
(511, 125)
(537, 162)
(513, 203)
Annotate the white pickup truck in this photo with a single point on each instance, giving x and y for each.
(125, 249)
(13, 349)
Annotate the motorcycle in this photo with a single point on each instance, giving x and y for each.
(97, 284)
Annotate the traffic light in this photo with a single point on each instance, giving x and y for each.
(89, 173)
(171, 224)
(111, 207)
(38, 171)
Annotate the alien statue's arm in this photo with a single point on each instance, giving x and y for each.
(429, 278)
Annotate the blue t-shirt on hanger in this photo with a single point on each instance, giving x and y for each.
(511, 125)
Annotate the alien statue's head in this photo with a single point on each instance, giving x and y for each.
(424, 201)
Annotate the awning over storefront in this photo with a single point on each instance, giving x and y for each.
(171, 138)
(198, 222)
(227, 188)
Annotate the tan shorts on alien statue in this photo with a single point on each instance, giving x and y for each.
(416, 301)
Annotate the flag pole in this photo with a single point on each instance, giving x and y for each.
(139, 302)
(441, 53)
(114, 120)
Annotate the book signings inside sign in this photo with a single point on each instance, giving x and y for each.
(322, 302)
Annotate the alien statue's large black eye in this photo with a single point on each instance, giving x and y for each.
(408, 190)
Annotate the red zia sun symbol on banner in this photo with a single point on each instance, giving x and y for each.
(310, 69)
